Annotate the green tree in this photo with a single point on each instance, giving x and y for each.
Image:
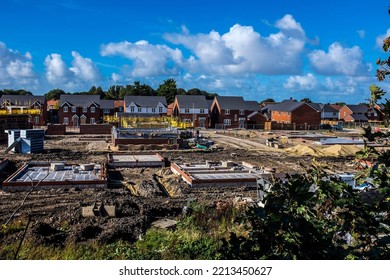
(54, 94)
(307, 100)
(168, 89)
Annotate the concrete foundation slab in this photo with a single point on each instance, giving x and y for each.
(136, 160)
(43, 177)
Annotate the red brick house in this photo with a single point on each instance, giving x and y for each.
(33, 106)
(192, 109)
(79, 109)
(297, 115)
(234, 112)
(359, 113)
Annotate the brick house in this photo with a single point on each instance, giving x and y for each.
(79, 109)
(33, 106)
(192, 109)
(107, 108)
(234, 112)
(359, 113)
(329, 114)
(294, 114)
(145, 105)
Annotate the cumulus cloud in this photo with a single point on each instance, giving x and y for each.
(83, 70)
(149, 59)
(296, 83)
(15, 68)
(243, 50)
(380, 38)
(339, 61)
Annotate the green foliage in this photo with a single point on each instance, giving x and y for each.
(14, 92)
(168, 89)
(310, 216)
(54, 94)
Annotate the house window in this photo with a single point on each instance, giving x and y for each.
(106, 110)
(66, 121)
(66, 109)
(242, 112)
(227, 122)
(201, 111)
(85, 110)
(92, 109)
(186, 111)
(227, 111)
(36, 107)
(153, 110)
(73, 109)
(92, 121)
(160, 109)
(36, 120)
(235, 117)
(139, 109)
(132, 109)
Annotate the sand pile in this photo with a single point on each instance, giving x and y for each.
(329, 151)
(341, 150)
(303, 150)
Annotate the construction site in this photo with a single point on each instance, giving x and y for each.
(86, 182)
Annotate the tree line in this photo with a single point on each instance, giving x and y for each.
(168, 89)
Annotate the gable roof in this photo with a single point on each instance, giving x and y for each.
(284, 106)
(323, 107)
(358, 109)
(251, 106)
(145, 101)
(107, 104)
(230, 102)
(357, 117)
(79, 100)
(192, 101)
(22, 100)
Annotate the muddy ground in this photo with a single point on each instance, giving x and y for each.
(140, 199)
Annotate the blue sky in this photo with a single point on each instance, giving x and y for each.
(324, 50)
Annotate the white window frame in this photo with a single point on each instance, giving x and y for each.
(153, 110)
(227, 111)
(85, 110)
(227, 122)
(106, 111)
(93, 109)
(242, 112)
(73, 109)
(66, 109)
(160, 109)
(92, 121)
(201, 111)
(132, 109)
(139, 109)
(186, 111)
(36, 120)
(66, 120)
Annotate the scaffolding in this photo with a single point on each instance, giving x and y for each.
(147, 122)
(20, 111)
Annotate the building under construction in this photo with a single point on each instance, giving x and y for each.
(210, 173)
(143, 136)
(40, 176)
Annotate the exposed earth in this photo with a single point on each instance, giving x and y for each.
(137, 193)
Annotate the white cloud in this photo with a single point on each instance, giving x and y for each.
(149, 60)
(361, 33)
(380, 38)
(243, 50)
(84, 68)
(83, 71)
(16, 69)
(116, 78)
(296, 83)
(339, 61)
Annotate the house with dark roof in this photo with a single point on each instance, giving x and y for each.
(33, 106)
(359, 113)
(192, 109)
(107, 108)
(234, 112)
(329, 114)
(297, 115)
(79, 109)
(145, 105)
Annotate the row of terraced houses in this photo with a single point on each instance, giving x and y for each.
(220, 112)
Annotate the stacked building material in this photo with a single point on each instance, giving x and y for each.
(25, 141)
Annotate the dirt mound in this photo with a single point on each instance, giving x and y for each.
(98, 146)
(304, 150)
(341, 150)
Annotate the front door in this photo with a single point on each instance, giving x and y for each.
(75, 121)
